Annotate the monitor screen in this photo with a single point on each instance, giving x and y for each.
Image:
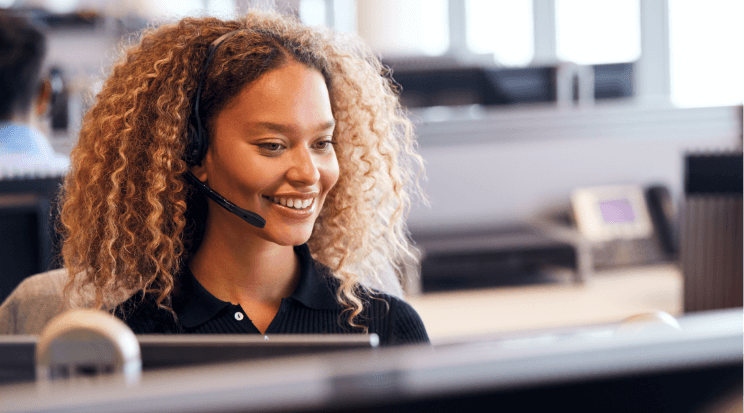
(617, 211)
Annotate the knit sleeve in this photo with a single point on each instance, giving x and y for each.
(9, 315)
(406, 326)
(33, 303)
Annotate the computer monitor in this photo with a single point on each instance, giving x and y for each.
(159, 351)
(28, 214)
(691, 369)
(17, 353)
(476, 85)
(613, 80)
(25, 239)
(440, 84)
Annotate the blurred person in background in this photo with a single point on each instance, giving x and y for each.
(24, 101)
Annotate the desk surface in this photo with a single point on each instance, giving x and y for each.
(609, 296)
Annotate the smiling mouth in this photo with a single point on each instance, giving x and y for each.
(297, 204)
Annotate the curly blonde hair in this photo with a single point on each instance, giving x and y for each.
(129, 219)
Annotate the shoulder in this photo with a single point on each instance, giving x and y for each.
(34, 302)
(394, 320)
(390, 317)
(143, 315)
(47, 284)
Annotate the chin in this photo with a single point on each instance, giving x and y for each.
(296, 237)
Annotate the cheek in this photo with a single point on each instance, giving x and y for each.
(251, 172)
(330, 175)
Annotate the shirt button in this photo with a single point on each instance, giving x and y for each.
(238, 316)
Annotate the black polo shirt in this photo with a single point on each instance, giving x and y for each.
(311, 309)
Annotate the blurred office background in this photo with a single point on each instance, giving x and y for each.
(517, 104)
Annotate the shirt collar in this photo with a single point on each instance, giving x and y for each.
(194, 305)
(22, 139)
(316, 288)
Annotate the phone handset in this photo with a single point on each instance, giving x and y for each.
(663, 215)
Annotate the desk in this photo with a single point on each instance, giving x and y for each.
(608, 296)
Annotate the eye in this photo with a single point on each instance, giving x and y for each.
(326, 144)
(270, 146)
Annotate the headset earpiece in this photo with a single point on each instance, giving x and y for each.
(196, 144)
(196, 139)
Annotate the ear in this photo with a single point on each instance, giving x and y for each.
(199, 171)
(43, 98)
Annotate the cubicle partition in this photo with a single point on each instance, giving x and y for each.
(711, 250)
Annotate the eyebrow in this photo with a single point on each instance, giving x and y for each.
(282, 128)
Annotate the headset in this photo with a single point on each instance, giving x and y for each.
(196, 139)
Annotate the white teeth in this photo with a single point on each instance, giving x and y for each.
(292, 203)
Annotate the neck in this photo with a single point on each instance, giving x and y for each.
(236, 265)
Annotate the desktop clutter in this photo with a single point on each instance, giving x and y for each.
(86, 343)
(605, 227)
(89, 361)
(81, 343)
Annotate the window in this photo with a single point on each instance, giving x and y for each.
(174, 9)
(345, 15)
(405, 27)
(503, 28)
(706, 56)
(59, 6)
(598, 31)
(221, 8)
(313, 12)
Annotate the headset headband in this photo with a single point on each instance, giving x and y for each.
(197, 146)
(197, 141)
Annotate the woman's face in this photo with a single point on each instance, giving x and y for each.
(270, 152)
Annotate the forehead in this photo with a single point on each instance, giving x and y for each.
(293, 93)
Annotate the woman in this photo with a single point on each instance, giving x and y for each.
(311, 163)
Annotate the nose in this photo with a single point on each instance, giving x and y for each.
(303, 170)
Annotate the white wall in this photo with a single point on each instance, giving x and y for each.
(515, 164)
